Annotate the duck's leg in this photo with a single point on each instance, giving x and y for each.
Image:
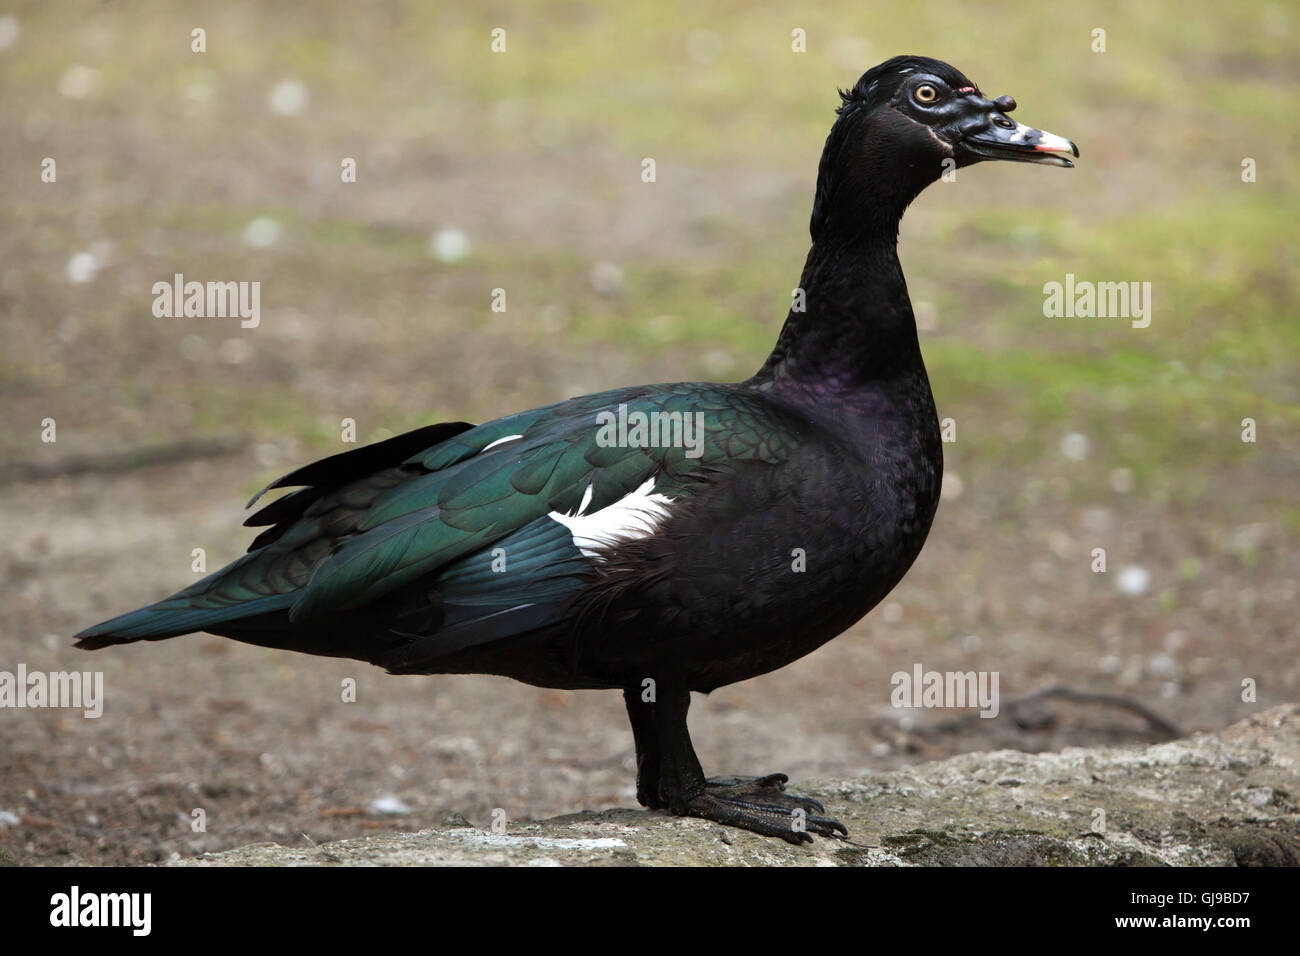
(669, 777)
(647, 749)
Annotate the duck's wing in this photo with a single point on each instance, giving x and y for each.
(538, 492)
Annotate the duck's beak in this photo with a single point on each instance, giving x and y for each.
(991, 134)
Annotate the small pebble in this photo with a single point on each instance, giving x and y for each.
(389, 805)
(79, 82)
(449, 245)
(952, 486)
(261, 233)
(9, 30)
(1074, 446)
(82, 267)
(1133, 581)
(287, 98)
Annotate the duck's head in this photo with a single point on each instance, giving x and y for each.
(906, 123)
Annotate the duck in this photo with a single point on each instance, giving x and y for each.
(658, 540)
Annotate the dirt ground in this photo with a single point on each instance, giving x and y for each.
(164, 170)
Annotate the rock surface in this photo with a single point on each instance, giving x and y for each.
(1222, 799)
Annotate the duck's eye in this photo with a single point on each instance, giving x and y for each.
(926, 94)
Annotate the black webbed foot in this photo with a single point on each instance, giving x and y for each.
(760, 804)
(668, 777)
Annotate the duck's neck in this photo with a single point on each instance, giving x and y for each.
(856, 326)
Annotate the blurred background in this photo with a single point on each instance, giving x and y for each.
(522, 170)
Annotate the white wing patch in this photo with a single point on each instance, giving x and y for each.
(500, 441)
(635, 515)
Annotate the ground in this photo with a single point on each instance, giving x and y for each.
(1223, 799)
(1071, 434)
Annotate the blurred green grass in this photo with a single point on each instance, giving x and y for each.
(171, 176)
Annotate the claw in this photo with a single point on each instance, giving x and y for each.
(760, 804)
